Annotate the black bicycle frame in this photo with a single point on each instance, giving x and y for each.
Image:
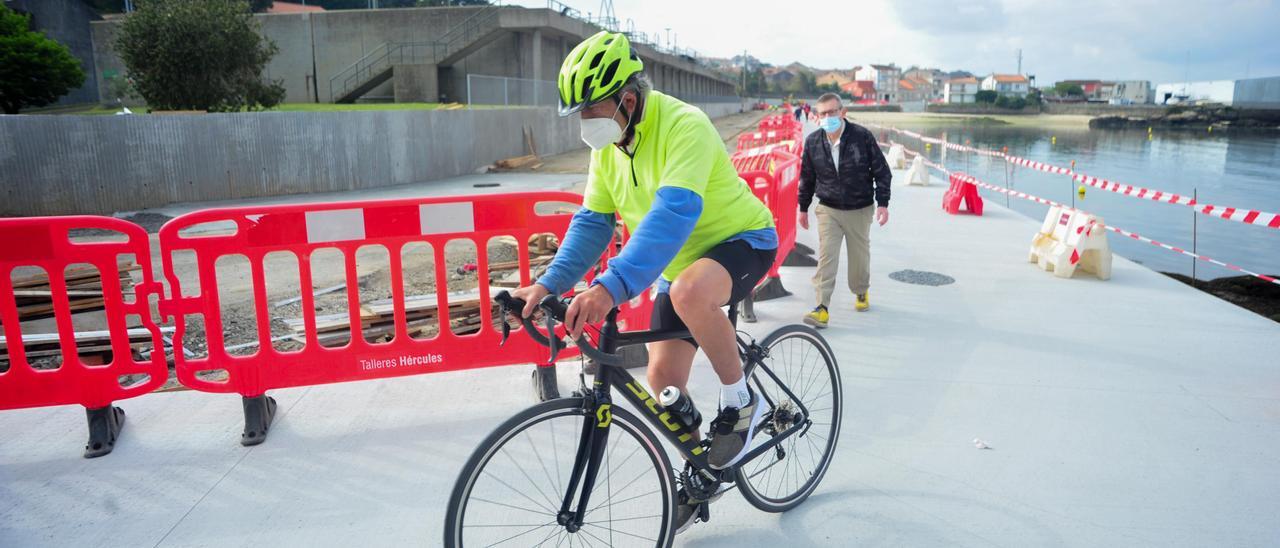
(599, 404)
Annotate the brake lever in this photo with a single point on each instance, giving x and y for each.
(553, 342)
(506, 326)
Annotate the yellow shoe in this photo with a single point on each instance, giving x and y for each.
(818, 318)
(862, 303)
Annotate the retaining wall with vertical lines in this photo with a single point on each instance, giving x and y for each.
(61, 165)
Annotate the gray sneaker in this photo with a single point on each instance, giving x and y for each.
(685, 514)
(731, 433)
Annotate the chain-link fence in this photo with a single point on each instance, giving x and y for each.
(500, 90)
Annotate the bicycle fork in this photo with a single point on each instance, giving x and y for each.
(586, 464)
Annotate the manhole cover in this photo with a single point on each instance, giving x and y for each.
(921, 277)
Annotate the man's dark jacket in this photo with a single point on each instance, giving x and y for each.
(863, 178)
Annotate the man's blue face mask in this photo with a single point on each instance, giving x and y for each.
(831, 124)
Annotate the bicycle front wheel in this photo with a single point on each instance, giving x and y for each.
(511, 490)
(800, 360)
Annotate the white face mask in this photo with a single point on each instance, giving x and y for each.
(598, 133)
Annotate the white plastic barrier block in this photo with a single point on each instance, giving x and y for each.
(918, 174)
(1071, 239)
(897, 157)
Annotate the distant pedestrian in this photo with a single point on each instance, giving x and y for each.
(844, 167)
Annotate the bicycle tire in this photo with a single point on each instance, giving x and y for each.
(781, 342)
(623, 422)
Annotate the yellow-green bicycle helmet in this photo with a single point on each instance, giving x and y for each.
(595, 70)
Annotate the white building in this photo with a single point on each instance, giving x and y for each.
(1014, 85)
(1213, 91)
(886, 78)
(960, 90)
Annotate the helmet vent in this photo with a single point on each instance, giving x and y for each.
(595, 61)
(610, 71)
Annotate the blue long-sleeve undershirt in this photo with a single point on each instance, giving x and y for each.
(662, 233)
(589, 233)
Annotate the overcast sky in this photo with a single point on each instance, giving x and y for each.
(1080, 39)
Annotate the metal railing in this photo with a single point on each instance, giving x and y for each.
(380, 59)
(501, 90)
(388, 54)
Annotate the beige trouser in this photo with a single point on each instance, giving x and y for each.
(853, 227)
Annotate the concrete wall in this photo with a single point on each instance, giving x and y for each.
(58, 165)
(66, 21)
(1257, 93)
(65, 165)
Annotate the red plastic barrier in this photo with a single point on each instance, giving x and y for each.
(774, 177)
(304, 229)
(961, 190)
(44, 242)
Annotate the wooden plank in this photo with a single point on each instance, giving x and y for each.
(82, 338)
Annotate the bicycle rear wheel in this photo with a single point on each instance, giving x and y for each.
(511, 489)
(781, 478)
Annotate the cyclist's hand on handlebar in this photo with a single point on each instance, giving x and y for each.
(590, 307)
(531, 295)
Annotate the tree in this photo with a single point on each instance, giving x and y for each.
(198, 55)
(1015, 103)
(985, 96)
(34, 69)
(259, 6)
(1064, 89)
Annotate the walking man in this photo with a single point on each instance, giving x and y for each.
(844, 167)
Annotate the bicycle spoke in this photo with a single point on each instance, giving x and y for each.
(512, 506)
(554, 530)
(625, 533)
(513, 537)
(517, 491)
(538, 454)
(551, 501)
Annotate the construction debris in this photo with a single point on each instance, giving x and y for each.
(34, 295)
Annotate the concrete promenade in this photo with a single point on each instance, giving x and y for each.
(1132, 412)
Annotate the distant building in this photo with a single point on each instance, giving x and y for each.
(860, 90)
(960, 90)
(933, 77)
(837, 77)
(886, 79)
(1010, 85)
(291, 7)
(1131, 92)
(912, 90)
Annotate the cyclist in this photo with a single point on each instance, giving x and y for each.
(695, 226)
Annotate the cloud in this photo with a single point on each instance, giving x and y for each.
(1136, 39)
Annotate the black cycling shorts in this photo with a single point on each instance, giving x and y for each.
(746, 266)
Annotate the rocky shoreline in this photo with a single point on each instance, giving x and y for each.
(1201, 118)
(1248, 292)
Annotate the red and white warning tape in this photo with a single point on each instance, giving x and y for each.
(1246, 216)
(1018, 194)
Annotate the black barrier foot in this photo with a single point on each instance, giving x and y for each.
(749, 309)
(770, 289)
(545, 387)
(800, 256)
(258, 413)
(105, 424)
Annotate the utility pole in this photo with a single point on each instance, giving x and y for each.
(1019, 61)
(668, 37)
(744, 73)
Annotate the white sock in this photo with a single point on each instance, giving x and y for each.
(735, 395)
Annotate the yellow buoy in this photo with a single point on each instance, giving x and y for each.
(1210, 129)
(1053, 140)
(1080, 191)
